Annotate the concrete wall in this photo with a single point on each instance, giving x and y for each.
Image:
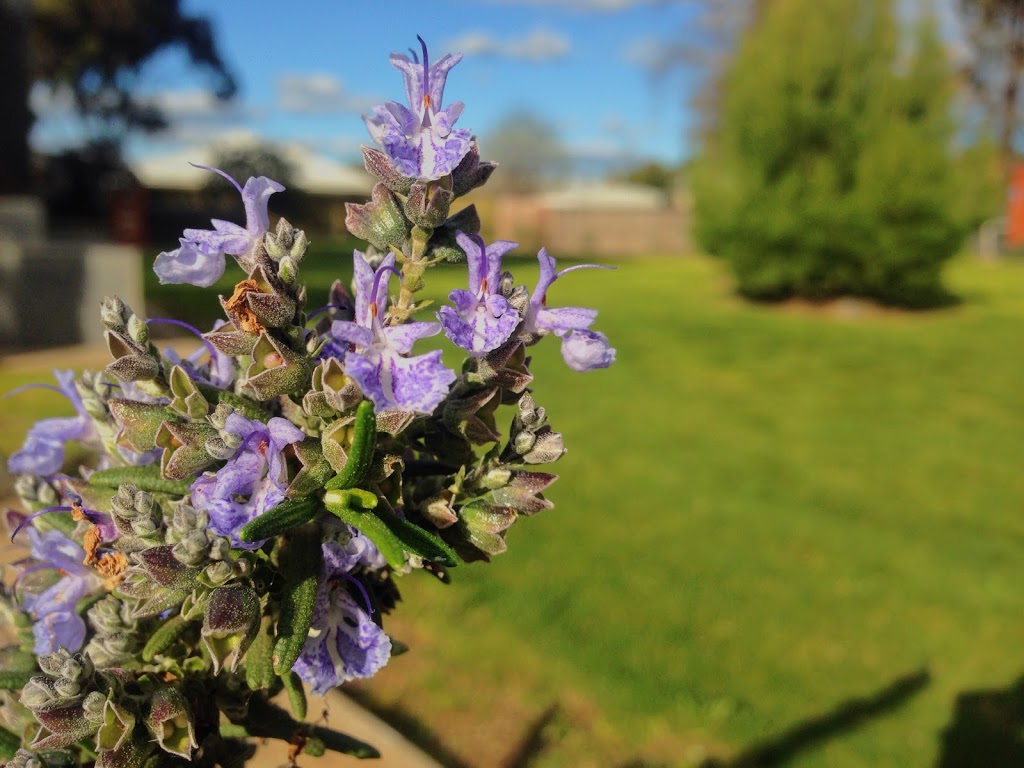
(50, 292)
(591, 231)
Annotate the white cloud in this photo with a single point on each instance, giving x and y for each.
(318, 93)
(538, 45)
(188, 104)
(649, 53)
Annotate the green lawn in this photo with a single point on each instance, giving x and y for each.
(765, 515)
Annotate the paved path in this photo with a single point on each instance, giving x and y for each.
(344, 714)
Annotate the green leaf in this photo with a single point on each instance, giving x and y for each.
(9, 743)
(10, 680)
(427, 545)
(373, 528)
(360, 454)
(146, 478)
(283, 517)
(299, 561)
(296, 694)
(259, 664)
(164, 637)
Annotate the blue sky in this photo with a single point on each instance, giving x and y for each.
(307, 69)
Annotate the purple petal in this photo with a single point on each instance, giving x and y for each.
(56, 549)
(63, 629)
(188, 264)
(224, 238)
(440, 155)
(346, 330)
(438, 77)
(562, 319)
(408, 122)
(476, 259)
(419, 383)
(484, 329)
(381, 279)
(402, 337)
(348, 644)
(546, 278)
(464, 301)
(496, 251)
(456, 327)
(255, 195)
(363, 280)
(283, 432)
(412, 74)
(444, 120)
(587, 350)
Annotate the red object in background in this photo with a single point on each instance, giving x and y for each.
(129, 212)
(1015, 208)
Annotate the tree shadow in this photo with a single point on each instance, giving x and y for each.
(987, 729)
(813, 732)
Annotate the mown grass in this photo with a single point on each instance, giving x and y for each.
(764, 513)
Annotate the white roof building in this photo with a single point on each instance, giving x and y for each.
(313, 173)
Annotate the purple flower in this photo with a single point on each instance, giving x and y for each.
(43, 451)
(379, 364)
(582, 349)
(252, 482)
(51, 603)
(344, 642)
(419, 140)
(200, 259)
(482, 319)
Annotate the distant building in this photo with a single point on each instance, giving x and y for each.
(600, 219)
(179, 197)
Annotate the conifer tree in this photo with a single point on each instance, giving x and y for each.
(830, 172)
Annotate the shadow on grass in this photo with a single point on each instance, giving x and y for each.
(410, 727)
(987, 729)
(812, 733)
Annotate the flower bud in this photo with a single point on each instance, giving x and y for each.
(379, 221)
(113, 312)
(169, 721)
(231, 621)
(288, 270)
(93, 706)
(137, 330)
(192, 549)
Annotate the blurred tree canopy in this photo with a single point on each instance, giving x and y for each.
(256, 160)
(829, 168)
(96, 48)
(529, 150)
(651, 174)
(995, 31)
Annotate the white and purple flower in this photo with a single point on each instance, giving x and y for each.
(43, 451)
(582, 349)
(252, 482)
(51, 602)
(380, 364)
(201, 258)
(419, 140)
(344, 642)
(482, 320)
